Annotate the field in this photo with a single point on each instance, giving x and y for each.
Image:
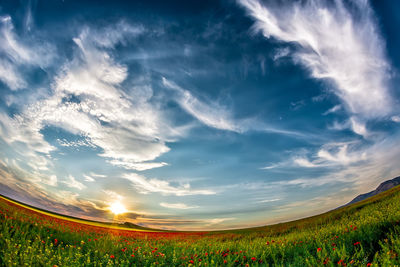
(363, 234)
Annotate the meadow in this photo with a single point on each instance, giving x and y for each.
(363, 234)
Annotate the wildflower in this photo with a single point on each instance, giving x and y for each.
(319, 249)
(357, 243)
(133, 255)
(191, 262)
(112, 257)
(326, 261)
(225, 261)
(253, 259)
(368, 264)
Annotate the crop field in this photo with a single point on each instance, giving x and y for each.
(363, 234)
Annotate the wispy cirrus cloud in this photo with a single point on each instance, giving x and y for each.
(18, 53)
(211, 114)
(179, 206)
(344, 49)
(145, 186)
(73, 183)
(129, 130)
(220, 117)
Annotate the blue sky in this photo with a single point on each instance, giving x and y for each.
(197, 115)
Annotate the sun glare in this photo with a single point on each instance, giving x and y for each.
(117, 208)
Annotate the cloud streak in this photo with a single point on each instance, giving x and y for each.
(145, 186)
(337, 42)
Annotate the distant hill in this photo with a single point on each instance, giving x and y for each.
(381, 188)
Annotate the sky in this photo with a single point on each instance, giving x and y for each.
(197, 115)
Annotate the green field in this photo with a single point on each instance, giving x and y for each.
(363, 234)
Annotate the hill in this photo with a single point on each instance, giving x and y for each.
(389, 184)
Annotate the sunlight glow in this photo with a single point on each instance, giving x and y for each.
(117, 208)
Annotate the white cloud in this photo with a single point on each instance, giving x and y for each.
(181, 206)
(145, 186)
(88, 178)
(342, 155)
(358, 126)
(332, 110)
(303, 162)
(10, 75)
(113, 195)
(336, 45)
(269, 200)
(18, 52)
(141, 166)
(129, 129)
(217, 221)
(328, 155)
(212, 114)
(97, 175)
(73, 183)
(79, 143)
(52, 180)
(396, 118)
(281, 52)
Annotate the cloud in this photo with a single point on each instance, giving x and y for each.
(88, 178)
(303, 162)
(332, 110)
(345, 49)
(87, 100)
(212, 114)
(113, 195)
(330, 155)
(141, 166)
(181, 206)
(17, 53)
(145, 186)
(18, 184)
(334, 154)
(217, 116)
(217, 221)
(97, 175)
(52, 180)
(79, 143)
(10, 75)
(269, 200)
(73, 183)
(281, 52)
(396, 118)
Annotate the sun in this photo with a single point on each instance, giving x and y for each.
(117, 208)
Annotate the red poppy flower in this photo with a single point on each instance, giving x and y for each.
(319, 249)
(112, 256)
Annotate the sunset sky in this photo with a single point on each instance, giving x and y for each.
(197, 114)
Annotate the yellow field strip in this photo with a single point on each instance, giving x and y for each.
(98, 224)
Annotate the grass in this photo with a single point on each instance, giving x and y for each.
(363, 234)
